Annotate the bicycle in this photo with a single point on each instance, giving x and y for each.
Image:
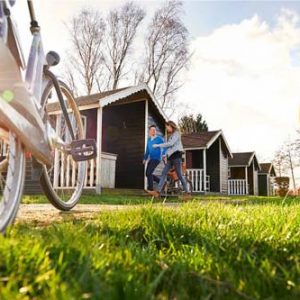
(27, 126)
(173, 186)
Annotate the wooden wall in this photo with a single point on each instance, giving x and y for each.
(91, 126)
(31, 185)
(250, 179)
(124, 134)
(223, 168)
(237, 173)
(194, 159)
(263, 189)
(213, 166)
(154, 119)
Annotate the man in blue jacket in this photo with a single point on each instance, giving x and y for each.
(154, 155)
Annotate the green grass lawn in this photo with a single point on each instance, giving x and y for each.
(118, 198)
(248, 249)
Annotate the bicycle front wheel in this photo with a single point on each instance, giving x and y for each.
(63, 182)
(12, 174)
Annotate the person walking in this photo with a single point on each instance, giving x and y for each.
(154, 155)
(174, 151)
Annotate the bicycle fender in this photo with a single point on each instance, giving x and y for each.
(31, 136)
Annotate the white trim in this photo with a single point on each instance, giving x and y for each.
(146, 139)
(204, 169)
(249, 161)
(220, 166)
(246, 178)
(84, 124)
(120, 95)
(270, 168)
(215, 137)
(99, 149)
(198, 148)
(80, 107)
(129, 91)
(129, 102)
(238, 166)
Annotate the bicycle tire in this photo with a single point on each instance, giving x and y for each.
(60, 198)
(12, 189)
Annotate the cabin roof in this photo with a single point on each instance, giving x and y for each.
(267, 168)
(95, 98)
(203, 140)
(105, 98)
(243, 159)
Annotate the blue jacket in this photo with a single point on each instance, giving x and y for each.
(154, 153)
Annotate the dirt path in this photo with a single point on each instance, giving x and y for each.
(46, 213)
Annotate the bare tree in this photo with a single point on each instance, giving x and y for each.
(166, 52)
(86, 60)
(280, 163)
(122, 26)
(286, 160)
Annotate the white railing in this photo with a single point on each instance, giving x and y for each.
(66, 169)
(3, 148)
(197, 178)
(237, 187)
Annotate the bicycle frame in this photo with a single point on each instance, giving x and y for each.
(22, 114)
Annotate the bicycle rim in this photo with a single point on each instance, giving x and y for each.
(63, 182)
(12, 174)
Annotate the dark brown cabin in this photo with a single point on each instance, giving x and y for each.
(207, 155)
(266, 179)
(243, 174)
(118, 120)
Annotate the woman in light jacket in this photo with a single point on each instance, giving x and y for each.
(174, 151)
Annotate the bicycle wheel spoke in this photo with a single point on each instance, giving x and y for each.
(65, 179)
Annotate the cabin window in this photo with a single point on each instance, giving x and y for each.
(229, 173)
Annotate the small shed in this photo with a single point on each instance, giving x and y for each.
(243, 174)
(118, 120)
(207, 155)
(266, 179)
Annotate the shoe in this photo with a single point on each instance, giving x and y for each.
(153, 193)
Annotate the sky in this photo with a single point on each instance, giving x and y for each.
(244, 75)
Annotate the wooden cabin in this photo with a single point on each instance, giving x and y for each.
(118, 120)
(207, 155)
(266, 179)
(243, 174)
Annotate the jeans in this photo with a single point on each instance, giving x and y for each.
(177, 163)
(152, 164)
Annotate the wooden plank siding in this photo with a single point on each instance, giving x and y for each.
(153, 119)
(237, 173)
(250, 179)
(223, 169)
(213, 167)
(124, 134)
(31, 185)
(91, 123)
(255, 182)
(263, 187)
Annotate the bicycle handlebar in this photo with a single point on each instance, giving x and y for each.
(34, 24)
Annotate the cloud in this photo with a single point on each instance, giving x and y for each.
(245, 79)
